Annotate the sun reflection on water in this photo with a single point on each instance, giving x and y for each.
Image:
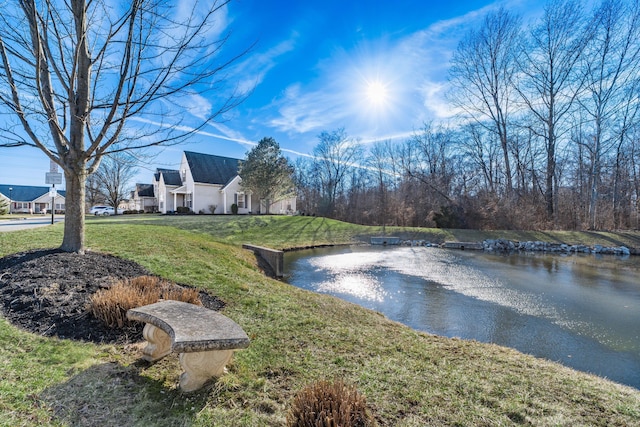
(357, 284)
(348, 274)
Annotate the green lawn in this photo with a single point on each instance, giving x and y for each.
(408, 378)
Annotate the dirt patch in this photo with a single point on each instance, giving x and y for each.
(47, 292)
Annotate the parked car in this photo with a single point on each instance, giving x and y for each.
(108, 210)
(94, 210)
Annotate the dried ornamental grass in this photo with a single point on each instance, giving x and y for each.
(329, 404)
(111, 305)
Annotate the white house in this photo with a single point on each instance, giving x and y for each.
(207, 183)
(165, 181)
(143, 198)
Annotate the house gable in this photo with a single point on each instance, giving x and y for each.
(233, 182)
(168, 176)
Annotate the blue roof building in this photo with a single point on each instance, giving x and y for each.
(31, 199)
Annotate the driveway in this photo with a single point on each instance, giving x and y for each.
(21, 223)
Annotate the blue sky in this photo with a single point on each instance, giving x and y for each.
(375, 68)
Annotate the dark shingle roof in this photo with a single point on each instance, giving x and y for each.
(171, 176)
(210, 169)
(25, 193)
(145, 190)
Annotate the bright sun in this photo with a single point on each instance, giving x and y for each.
(377, 93)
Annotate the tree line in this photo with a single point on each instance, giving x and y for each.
(546, 134)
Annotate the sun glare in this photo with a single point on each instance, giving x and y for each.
(377, 93)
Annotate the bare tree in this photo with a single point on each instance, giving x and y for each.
(306, 185)
(548, 80)
(113, 178)
(611, 64)
(74, 73)
(481, 73)
(480, 153)
(334, 156)
(93, 194)
(381, 167)
(426, 157)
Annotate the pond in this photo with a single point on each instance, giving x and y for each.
(580, 310)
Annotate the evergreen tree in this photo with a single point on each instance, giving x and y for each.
(4, 206)
(266, 173)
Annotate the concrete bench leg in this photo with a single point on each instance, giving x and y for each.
(200, 367)
(158, 343)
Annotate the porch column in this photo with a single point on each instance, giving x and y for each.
(224, 201)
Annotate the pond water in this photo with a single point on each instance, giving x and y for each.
(580, 310)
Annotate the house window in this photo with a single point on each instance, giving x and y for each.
(184, 175)
(188, 200)
(240, 200)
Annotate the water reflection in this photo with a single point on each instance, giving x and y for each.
(579, 310)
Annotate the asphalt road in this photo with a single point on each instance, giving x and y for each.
(22, 223)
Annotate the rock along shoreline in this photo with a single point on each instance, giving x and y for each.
(507, 246)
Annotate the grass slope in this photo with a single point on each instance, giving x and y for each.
(409, 378)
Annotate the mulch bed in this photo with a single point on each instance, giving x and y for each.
(47, 292)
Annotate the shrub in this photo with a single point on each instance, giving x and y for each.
(234, 209)
(329, 404)
(449, 217)
(183, 210)
(4, 206)
(111, 305)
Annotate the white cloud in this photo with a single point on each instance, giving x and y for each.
(310, 111)
(254, 69)
(231, 135)
(225, 133)
(198, 106)
(186, 11)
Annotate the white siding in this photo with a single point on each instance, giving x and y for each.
(185, 173)
(231, 190)
(206, 195)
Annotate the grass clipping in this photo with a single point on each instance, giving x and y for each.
(111, 305)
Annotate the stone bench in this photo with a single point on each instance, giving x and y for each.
(205, 339)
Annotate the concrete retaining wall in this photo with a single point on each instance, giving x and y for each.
(463, 245)
(384, 240)
(273, 257)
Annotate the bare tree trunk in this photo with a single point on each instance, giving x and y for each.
(73, 240)
(549, 192)
(595, 178)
